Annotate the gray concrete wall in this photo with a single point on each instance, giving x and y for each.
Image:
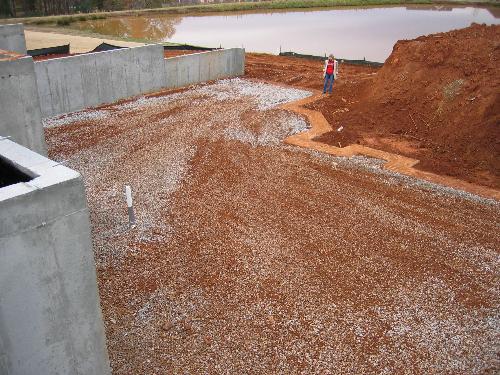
(20, 113)
(50, 317)
(205, 66)
(12, 38)
(73, 83)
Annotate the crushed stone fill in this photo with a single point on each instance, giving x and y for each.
(251, 256)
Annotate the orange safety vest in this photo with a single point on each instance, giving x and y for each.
(330, 66)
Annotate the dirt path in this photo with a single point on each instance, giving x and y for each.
(78, 44)
(252, 256)
(393, 162)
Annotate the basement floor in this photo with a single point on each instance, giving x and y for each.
(252, 256)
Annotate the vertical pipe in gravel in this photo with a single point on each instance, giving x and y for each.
(131, 215)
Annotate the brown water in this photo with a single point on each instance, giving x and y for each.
(352, 33)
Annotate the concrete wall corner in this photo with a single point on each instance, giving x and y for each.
(20, 112)
(12, 38)
(50, 316)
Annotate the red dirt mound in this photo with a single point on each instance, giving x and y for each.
(437, 99)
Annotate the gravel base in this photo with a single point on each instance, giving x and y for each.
(388, 177)
(265, 95)
(271, 133)
(251, 256)
(70, 118)
(158, 180)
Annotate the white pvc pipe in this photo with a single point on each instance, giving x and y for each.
(128, 194)
(131, 215)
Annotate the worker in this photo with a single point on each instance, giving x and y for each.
(330, 73)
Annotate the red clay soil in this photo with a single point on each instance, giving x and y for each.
(298, 72)
(174, 53)
(54, 56)
(253, 257)
(436, 99)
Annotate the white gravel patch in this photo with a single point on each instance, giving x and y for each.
(388, 177)
(267, 96)
(144, 102)
(272, 133)
(86, 115)
(158, 170)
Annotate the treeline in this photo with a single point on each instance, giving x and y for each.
(26, 8)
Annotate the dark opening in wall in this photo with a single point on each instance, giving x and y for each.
(10, 175)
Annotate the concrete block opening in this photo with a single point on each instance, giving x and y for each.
(50, 316)
(10, 175)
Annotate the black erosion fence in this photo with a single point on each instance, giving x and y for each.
(61, 50)
(58, 50)
(347, 61)
(106, 47)
(64, 50)
(187, 47)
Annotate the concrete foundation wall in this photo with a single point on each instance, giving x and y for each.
(12, 38)
(73, 83)
(50, 317)
(20, 113)
(206, 66)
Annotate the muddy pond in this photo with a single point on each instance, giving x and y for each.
(352, 33)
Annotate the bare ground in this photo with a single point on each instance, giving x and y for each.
(36, 38)
(435, 100)
(251, 256)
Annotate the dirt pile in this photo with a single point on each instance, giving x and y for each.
(437, 99)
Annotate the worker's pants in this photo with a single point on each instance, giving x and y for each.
(331, 78)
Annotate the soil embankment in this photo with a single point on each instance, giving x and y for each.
(436, 99)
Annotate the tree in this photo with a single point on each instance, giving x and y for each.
(52, 7)
(113, 4)
(29, 7)
(8, 8)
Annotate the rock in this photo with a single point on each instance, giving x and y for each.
(167, 326)
(187, 327)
